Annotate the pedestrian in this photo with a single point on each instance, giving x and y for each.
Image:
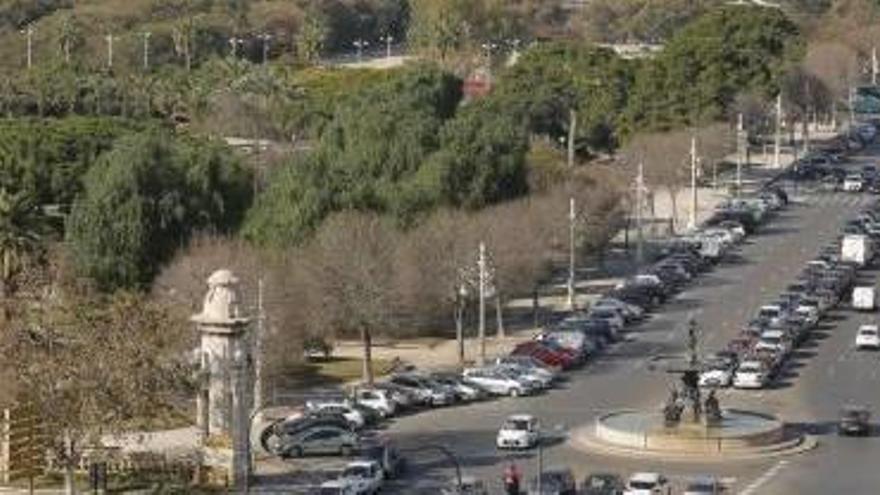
(511, 480)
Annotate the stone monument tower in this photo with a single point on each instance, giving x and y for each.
(225, 398)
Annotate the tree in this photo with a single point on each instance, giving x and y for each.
(355, 284)
(311, 37)
(91, 367)
(804, 95)
(144, 198)
(23, 227)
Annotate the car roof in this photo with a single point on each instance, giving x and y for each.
(868, 327)
(520, 417)
(367, 463)
(645, 477)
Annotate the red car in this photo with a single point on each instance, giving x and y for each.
(544, 354)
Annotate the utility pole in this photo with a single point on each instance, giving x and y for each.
(29, 33)
(778, 138)
(258, 349)
(388, 39)
(874, 66)
(640, 239)
(852, 105)
(694, 199)
(572, 218)
(739, 153)
(109, 39)
(360, 44)
(265, 37)
(147, 50)
(481, 334)
(572, 130)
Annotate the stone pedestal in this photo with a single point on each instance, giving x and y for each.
(225, 397)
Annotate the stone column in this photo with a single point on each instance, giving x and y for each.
(225, 396)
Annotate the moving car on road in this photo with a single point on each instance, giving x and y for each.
(853, 183)
(365, 476)
(750, 374)
(703, 485)
(868, 337)
(854, 420)
(520, 431)
(602, 484)
(496, 382)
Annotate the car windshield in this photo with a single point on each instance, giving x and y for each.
(700, 487)
(642, 485)
(331, 490)
(868, 331)
(516, 424)
(772, 340)
(768, 313)
(356, 472)
(750, 367)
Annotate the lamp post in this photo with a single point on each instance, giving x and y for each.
(388, 39)
(29, 34)
(109, 39)
(360, 45)
(265, 38)
(146, 36)
(234, 44)
(572, 219)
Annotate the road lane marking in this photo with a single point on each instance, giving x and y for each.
(764, 478)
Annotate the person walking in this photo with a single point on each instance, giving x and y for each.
(511, 480)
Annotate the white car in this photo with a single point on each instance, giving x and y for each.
(810, 314)
(716, 377)
(646, 484)
(853, 183)
(376, 399)
(772, 313)
(337, 487)
(520, 431)
(353, 416)
(750, 374)
(521, 373)
(773, 340)
(864, 298)
(366, 477)
(868, 337)
(495, 382)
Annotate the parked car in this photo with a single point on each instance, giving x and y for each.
(323, 408)
(272, 435)
(519, 431)
(751, 374)
(393, 464)
(426, 393)
(496, 382)
(602, 484)
(469, 486)
(319, 440)
(376, 399)
(854, 420)
(868, 337)
(703, 485)
(535, 379)
(467, 392)
(718, 373)
(366, 476)
(558, 481)
(646, 484)
(337, 487)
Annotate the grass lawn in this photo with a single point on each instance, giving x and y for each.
(335, 370)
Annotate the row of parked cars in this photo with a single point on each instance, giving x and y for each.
(754, 359)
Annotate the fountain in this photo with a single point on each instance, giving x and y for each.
(689, 426)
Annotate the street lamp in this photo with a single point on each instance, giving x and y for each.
(146, 36)
(388, 39)
(29, 33)
(109, 39)
(265, 37)
(360, 45)
(235, 43)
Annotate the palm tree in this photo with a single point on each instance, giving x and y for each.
(22, 228)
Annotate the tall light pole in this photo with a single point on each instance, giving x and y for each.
(852, 106)
(388, 39)
(234, 43)
(694, 199)
(572, 218)
(265, 37)
(739, 152)
(360, 45)
(572, 131)
(29, 34)
(146, 36)
(481, 333)
(874, 66)
(640, 239)
(777, 141)
(109, 39)
(258, 348)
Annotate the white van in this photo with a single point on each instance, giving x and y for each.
(864, 298)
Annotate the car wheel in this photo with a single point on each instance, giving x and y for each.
(345, 451)
(295, 452)
(515, 392)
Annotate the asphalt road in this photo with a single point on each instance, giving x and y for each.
(824, 374)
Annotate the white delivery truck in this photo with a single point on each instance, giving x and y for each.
(864, 298)
(856, 248)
